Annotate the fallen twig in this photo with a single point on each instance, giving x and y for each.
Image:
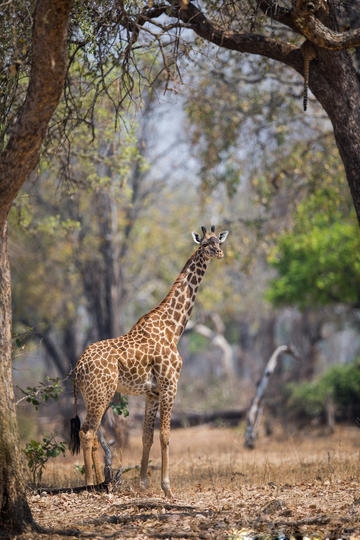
(189, 419)
(152, 504)
(177, 534)
(321, 520)
(123, 520)
(104, 486)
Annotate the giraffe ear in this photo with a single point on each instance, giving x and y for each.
(196, 237)
(223, 236)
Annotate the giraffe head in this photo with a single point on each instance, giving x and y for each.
(210, 242)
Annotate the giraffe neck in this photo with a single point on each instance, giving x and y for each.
(177, 306)
(170, 317)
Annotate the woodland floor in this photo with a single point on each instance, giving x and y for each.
(286, 487)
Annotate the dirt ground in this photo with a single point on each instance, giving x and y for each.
(287, 487)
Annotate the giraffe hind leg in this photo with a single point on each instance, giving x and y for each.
(90, 446)
(96, 460)
(87, 442)
(90, 443)
(97, 396)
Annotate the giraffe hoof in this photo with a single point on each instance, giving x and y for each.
(167, 490)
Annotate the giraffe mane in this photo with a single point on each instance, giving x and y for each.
(180, 278)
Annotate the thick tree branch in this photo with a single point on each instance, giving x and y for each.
(314, 30)
(239, 41)
(217, 339)
(47, 75)
(302, 21)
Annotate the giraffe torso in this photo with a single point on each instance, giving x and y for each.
(126, 366)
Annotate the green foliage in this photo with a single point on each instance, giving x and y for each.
(121, 408)
(318, 262)
(340, 382)
(307, 399)
(68, 231)
(80, 469)
(38, 453)
(43, 392)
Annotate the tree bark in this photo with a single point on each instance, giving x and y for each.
(17, 161)
(342, 104)
(314, 30)
(14, 511)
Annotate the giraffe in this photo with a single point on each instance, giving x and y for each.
(145, 361)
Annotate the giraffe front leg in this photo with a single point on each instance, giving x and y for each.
(166, 405)
(151, 409)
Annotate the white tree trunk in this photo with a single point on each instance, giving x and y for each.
(255, 411)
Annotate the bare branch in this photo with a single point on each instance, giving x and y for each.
(219, 341)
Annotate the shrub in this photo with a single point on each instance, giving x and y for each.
(342, 382)
(38, 453)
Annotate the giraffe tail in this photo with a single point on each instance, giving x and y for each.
(75, 426)
(305, 96)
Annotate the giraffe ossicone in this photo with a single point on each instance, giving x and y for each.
(145, 361)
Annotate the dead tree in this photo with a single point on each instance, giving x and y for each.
(217, 338)
(255, 411)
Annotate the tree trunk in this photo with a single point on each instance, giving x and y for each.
(341, 101)
(255, 411)
(17, 161)
(14, 510)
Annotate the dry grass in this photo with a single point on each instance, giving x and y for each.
(298, 486)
